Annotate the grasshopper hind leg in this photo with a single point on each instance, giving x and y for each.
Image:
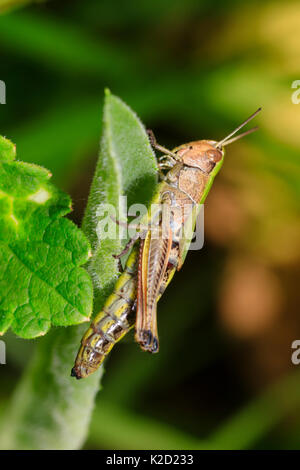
(148, 341)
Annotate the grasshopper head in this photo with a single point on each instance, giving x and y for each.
(207, 155)
(201, 154)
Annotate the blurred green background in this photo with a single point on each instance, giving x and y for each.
(191, 69)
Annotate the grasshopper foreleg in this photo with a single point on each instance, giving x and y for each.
(133, 239)
(158, 147)
(128, 245)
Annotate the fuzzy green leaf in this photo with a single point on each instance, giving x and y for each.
(126, 166)
(41, 281)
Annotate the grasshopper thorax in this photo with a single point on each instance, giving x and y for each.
(201, 154)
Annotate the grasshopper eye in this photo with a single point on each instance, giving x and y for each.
(214, 155)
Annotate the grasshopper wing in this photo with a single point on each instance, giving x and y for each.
(153, 260)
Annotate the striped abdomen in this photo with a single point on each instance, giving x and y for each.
(111, 324)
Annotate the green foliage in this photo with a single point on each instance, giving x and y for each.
(41, 281)
(64, 408)
(7, 150)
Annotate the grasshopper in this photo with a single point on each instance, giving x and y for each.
(159, 249)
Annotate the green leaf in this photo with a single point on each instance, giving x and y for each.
(126, 166)
(7, 149)
(41, 281)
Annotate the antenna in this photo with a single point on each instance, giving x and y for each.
(227, 139)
